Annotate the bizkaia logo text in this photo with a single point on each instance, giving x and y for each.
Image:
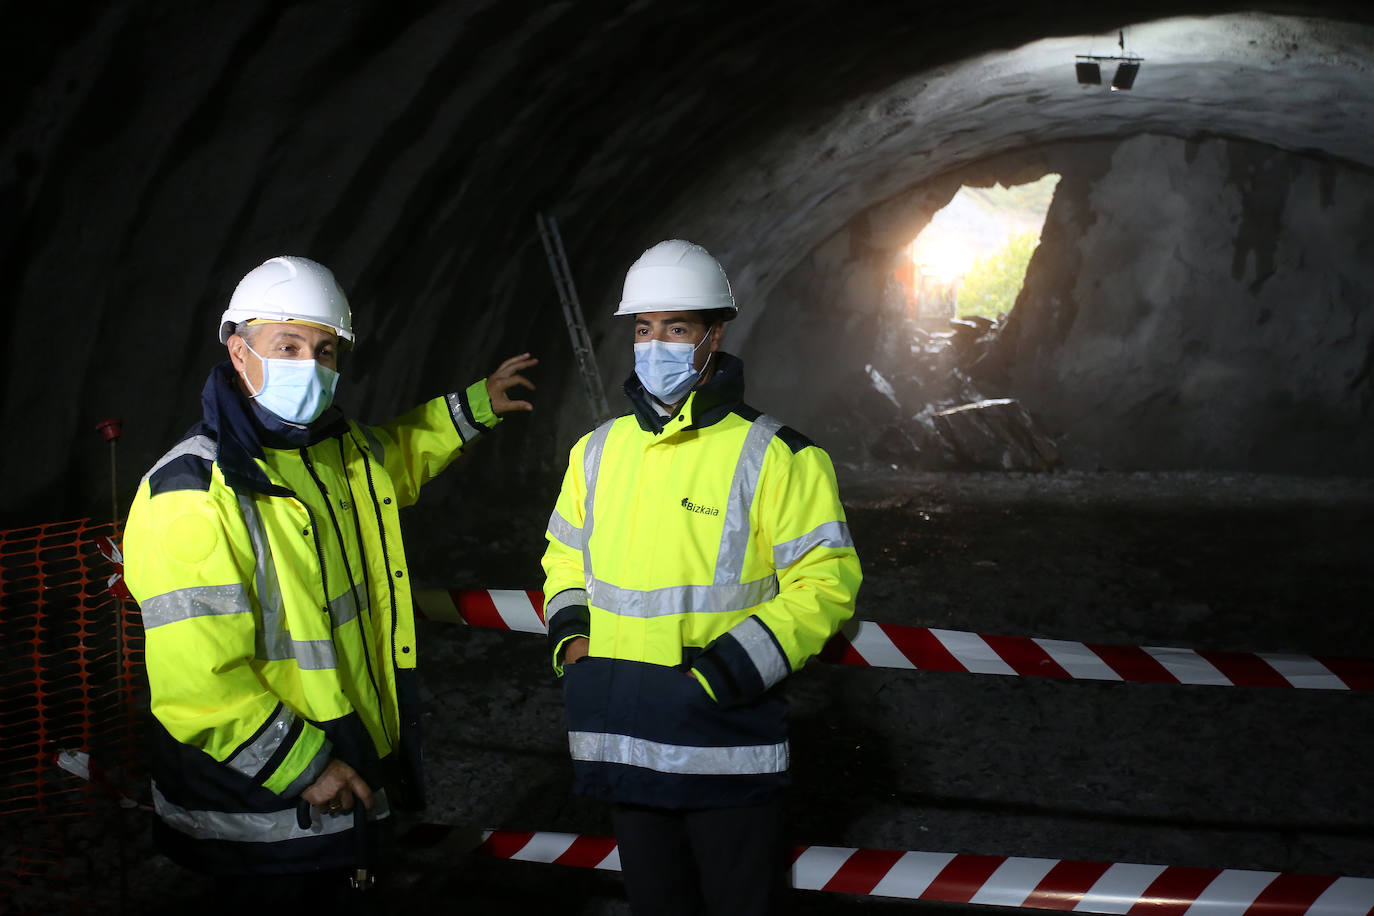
(693, 507)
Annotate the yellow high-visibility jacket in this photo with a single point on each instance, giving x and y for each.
(706, 556)
(268, 566)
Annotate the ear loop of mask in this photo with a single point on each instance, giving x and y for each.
(705, 337)
(244, 372)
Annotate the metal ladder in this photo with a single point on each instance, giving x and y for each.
(572, 314)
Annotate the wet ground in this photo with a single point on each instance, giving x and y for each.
(1255, 778)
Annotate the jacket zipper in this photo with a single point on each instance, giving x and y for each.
(353, 586)
(386, 554)
(381, 531)
(319, 550)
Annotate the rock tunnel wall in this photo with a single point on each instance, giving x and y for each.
(1192, 304)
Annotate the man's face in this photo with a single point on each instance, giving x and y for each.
(679, 327)
(282, 341)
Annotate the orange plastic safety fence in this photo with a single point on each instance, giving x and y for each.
(71, 647)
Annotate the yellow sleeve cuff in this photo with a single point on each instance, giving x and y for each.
(480, 402)
(309, 743)
(704, 686)
(558, 651)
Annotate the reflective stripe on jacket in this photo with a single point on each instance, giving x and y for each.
(711, 544)
(279, 625)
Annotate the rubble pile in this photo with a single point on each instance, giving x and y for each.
(919, 407)
(998, 432)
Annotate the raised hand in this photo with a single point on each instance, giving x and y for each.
(506, 377)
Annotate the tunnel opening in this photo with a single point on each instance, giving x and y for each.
(886, 320)
(970, 260)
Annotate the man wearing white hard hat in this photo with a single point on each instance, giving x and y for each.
(265, 553)
(697, 556)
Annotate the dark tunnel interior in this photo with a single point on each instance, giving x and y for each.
(1211, 231)
(1190, 361)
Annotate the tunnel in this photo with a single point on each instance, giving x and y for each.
(1193, 338)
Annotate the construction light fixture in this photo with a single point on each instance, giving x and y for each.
(1089, 73)
(1125, 75)
(1088, 67)
(1089, 70)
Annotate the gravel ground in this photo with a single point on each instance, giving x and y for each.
(1256, 778)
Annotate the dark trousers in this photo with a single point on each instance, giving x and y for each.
(714, 861)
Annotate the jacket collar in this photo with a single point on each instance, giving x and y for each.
(243, 429)
(704, 407)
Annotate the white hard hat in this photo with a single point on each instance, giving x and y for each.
(289, 289)
(676, 276)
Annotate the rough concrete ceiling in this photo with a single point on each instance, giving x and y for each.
(153, 154)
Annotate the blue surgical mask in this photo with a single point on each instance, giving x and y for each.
(667, 370)
(297, 390)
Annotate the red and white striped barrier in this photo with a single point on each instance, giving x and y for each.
(1014, 881)
(885, 645)
(501, 608)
